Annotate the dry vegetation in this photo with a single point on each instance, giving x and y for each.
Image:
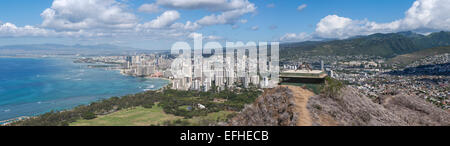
(344, 107)
(353, 109)
(274, 108)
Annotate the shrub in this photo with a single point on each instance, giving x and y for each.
(88, 115)
(332, 87)
(148, 105)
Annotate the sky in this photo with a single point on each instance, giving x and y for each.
(157, 24)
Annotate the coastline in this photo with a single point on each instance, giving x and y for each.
(160, 78)
(9, 121)
(12, 120)
(20, 118)
(147, 77)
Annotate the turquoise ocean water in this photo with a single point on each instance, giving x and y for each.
(32, 86)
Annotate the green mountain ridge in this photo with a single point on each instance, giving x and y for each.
(385, 45)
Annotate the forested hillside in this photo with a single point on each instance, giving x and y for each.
(385, 45)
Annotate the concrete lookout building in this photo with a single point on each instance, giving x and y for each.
(303, 76)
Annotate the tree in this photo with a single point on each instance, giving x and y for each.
(88, 115)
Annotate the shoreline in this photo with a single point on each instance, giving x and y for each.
(161, 78)
(12, 120)
(147, 77)
(7, 122)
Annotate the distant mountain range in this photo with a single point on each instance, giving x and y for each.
(385, 45)
(58, 49)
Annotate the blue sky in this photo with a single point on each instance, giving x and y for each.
(162, 22)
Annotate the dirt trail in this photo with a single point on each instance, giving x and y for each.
(301, 101)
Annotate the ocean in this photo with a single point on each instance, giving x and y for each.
(32, 86)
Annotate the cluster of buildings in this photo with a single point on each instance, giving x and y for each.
(432, 88)
(152, 65)
(217, 72)
(437, 59)
(144, 65)
(374, 79)
(102, 59)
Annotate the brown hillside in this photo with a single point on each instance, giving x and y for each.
(295, 106)
(353, 109)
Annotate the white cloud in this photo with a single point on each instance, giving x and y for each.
(333, 26)
(428, 14)
(228, 11)
(100, 18)
(423, 16)
(190, 26)
(149, 8)
(210, 5)
(87, 14)
(227, 17)
(301, 7)
(9, 29)
(165, 19)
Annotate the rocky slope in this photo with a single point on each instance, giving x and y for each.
(278, 107)
(274, 108)
(353, 109)
(350, 109)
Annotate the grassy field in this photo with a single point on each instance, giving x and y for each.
(138, 116)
